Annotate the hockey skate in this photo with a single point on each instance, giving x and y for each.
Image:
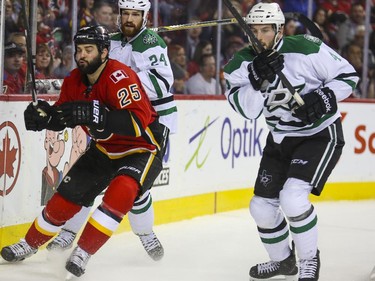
(283, 270)
(76, 264)
(152, 246)
(63, 241)
(18, 251)
(309, 269)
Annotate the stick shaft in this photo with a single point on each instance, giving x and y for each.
(30, 63)
(194, 25)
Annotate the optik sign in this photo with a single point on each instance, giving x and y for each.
(235, 141)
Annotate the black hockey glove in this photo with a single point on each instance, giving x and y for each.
(317, 103)
(87, 113)
(264, 67)
(37, 117)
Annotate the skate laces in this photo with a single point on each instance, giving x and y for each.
(308, 268)
(79, 257)
(22, 249)
(268, 267)
(149, 241)
(64, 240)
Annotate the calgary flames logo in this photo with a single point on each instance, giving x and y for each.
(10, 157)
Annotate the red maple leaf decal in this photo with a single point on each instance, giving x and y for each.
(7, 158)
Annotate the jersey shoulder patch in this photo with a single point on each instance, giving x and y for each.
(146, 40)
(118, 75)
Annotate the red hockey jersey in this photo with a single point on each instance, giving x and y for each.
(118, 87)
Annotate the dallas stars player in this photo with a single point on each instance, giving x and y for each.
(146, 53)
(303, 145)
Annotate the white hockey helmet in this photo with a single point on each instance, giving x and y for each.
(139, 5)
(267, 13)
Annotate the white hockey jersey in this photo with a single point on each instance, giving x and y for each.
(146, 54)
(309, 64)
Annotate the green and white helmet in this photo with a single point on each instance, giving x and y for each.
(267, 13)
(139, 5)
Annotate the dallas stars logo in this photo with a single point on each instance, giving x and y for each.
(279, 97)
(265, 179)
(150, 39)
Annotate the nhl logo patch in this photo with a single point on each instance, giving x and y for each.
(150, 39)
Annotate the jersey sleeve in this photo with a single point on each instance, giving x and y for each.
(336, 73)
(239, 92)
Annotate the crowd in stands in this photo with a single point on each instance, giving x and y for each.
(190, 51)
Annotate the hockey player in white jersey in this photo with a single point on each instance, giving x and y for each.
(304, 143)
(146, 53)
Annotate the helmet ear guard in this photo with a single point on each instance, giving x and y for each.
(267, 13)
(139, 5)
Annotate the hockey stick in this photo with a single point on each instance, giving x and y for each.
(194, 25)
(30, 56)
(191, 25)
(258, 47)
(310, 26)
(314, 30)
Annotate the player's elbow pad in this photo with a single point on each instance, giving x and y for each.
(123, 122)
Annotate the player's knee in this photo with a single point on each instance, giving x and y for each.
(265, 211)
(121, 194)
(294, 198)
(58, 210)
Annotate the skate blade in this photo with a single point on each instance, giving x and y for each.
(277, 278)
(70, 276)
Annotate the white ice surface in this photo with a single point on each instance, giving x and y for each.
(220, 247)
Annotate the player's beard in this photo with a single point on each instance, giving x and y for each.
(130, 31)
(90, 67)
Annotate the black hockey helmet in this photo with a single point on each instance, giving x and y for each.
(97, 35)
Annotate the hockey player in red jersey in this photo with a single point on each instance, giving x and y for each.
(106, 98)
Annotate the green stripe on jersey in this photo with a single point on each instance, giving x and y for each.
(167, 111)
(156, 86)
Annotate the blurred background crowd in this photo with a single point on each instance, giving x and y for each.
(342, 23)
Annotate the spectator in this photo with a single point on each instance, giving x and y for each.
(43, 62)
(203, 82)
(335, 6)
(177, 57)
(192, 40)
(65, 66)
(204, 47)
(354, 54)
(20, 39)
(14, 72)
(320, 18)
(290, 27)
(235, 43)
(171, 12)
(103, 15)
(12, 22)
(346, 30)
(44, 31)
(85, 14)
